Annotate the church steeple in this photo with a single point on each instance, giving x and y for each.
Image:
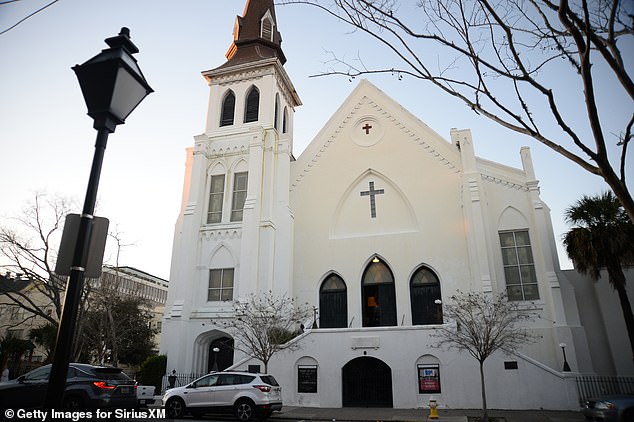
(255, 35)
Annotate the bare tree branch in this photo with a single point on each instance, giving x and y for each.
(263, 325)
(481, 325)
(496, 57)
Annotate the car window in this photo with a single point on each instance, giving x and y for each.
(83, 374)
(234, 379)
(245, 379)
(38, 374)
(207, 381)
(269, 380)
(110, 374)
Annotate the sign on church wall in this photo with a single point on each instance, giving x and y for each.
(307, 379)
(428, 379)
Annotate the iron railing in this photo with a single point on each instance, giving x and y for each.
(180, 379)
(589, 386)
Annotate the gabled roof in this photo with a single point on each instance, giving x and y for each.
(249, 43)
(411, 126)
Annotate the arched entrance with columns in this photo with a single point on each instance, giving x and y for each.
(366, 382)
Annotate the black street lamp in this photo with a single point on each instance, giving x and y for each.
(112, 85)
(566, 367)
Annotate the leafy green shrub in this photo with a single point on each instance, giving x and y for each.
(152, 371)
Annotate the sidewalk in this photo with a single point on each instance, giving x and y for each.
(368, 414)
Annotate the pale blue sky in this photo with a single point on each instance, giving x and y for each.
(47, 140)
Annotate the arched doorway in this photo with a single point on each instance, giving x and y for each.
(379, 296)
(366, 382)
(220, 354)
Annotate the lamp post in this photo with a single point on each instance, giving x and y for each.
(215, 365)
(438, 302)
(113, 85)
(315, 318)
(563, 350)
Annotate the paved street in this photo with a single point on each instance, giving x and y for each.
(296, 414)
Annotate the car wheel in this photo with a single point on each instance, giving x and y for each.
(175, 408)
(244, 410)
(72, 403)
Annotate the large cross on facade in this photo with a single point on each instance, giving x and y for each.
(372, 193)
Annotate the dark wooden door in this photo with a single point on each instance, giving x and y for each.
(367, 382)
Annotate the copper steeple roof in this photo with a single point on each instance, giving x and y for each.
(253, 41)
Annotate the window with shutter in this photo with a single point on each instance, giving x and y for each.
(284, 120)
(228, 109)
(252, 106)
(277, 111)
(267, 29)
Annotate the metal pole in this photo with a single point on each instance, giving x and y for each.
(70, 311)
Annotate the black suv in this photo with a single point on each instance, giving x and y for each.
(87, 387)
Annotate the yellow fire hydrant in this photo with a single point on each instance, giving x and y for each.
(433, 409)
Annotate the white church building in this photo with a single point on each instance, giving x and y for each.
(375, 224)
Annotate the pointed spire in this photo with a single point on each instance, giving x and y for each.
(255, 35)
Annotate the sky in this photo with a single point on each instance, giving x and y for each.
(47, 140)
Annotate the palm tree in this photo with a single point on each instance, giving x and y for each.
(603, 238)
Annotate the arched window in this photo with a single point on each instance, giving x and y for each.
(379, 296)
(284, 120)
(277, 111)
(252, 106)
(424, 292)
(333, 303)
(228, 109)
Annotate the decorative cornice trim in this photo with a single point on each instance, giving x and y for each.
(217, 234)
(504, 182)
(384, 114)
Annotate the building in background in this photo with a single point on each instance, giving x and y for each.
(377, 224)
(127, 281)
(130, 281)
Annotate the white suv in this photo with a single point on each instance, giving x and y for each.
(245, 394)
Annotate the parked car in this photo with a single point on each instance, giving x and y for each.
(87, 387)
(244, 394)
(615, 408)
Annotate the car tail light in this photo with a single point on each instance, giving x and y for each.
(263, 388)
(104, 385)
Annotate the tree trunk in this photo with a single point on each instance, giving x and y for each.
(485, 413)
(617, 279)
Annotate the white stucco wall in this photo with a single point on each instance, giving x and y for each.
(530, 386)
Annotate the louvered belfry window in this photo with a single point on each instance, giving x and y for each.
(267, 30)
(284, 118)
(277, 111)
(252, 106)
(228, 109)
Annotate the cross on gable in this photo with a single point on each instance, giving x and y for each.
(372, 193)
(367, 128)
